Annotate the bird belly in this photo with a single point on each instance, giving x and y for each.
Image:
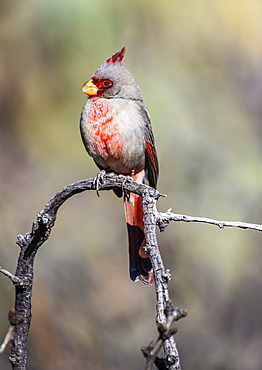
(113, 136)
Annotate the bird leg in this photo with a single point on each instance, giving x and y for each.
(98, 179)
(126, 193)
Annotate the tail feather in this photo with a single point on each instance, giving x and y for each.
(140, 265)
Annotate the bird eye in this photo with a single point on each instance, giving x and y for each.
(107, 83)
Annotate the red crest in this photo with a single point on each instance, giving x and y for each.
(117, 57)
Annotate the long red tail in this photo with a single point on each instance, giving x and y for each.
(139, 262)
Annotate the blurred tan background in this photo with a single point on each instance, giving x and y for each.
(199, 66)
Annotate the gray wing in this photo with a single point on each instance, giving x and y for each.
(151, 160)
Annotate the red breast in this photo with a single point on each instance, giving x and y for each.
(113, 135)
(104, 129)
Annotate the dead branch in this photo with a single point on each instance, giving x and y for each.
(41, 229)
(163, 220)
(40, 232)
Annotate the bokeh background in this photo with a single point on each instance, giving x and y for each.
(199, 66)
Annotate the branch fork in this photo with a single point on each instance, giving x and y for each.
(18, 282)
(165, 331)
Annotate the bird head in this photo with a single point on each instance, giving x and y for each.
(113, 80)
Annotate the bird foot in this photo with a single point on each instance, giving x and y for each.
(125, 192)
(98, 179)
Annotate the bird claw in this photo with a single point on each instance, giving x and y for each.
(126, 193)
(123, 185)
(98, 179)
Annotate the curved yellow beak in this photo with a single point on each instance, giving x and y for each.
(89, 88)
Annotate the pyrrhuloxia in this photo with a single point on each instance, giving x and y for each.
(116, 131)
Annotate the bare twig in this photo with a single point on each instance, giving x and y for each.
(163, 220)
(7, 339)
(15, 280)
(165, 332)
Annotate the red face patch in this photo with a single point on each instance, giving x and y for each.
(102, 84)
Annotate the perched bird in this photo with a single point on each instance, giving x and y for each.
(116, 131)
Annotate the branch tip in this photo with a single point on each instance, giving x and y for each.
(162, 195)
(147, 351)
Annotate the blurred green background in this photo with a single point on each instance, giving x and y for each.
(198, 64)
